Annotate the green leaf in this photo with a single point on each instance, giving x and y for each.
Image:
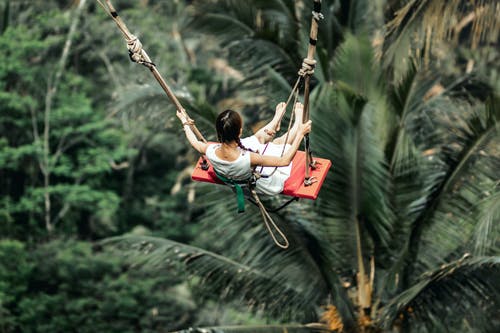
(464, 290)
(257, 329)
(228, 278)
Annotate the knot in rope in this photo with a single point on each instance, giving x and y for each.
(134, 47)
(317, 16)
(307, 67)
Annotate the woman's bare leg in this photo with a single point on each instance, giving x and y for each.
(266, 133)
(299, 113)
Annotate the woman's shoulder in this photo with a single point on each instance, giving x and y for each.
(210, 153)
(213, 144)
(211, 148)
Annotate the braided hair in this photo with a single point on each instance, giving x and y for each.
(228, 126)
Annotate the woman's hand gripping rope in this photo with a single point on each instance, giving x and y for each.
(185, 120)
(200, 146)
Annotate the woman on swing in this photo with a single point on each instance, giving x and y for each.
(235, 158)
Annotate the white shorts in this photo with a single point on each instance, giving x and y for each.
(274, 184)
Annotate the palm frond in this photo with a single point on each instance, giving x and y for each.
(365, 16)
(146, 103)
(355, 67)
(408, 100)
(275, 35)
(257, 287)
(354, 190)
(413, 140)
(245, 237)
(256, 34)
(258, 329)
(326, 141)
(226, 27)
(345, 132)
(465, 163)
(464, 290)
(255, 56)
(486, 235)
(411, 176)
(422, 26)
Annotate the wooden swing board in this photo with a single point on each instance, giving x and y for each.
(294, 185)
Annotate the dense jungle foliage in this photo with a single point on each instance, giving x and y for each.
(102, 230)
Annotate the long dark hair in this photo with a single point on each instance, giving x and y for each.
(228, 126)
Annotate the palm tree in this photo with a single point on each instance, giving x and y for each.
(403, 235)
(428, 28)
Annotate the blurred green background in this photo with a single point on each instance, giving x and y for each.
(102, 230)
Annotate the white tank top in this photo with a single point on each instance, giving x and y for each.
(239, 169)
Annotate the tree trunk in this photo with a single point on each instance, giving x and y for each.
(51, 92)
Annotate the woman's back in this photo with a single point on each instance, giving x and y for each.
(238, 169)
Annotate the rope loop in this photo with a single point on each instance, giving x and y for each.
(307, 67)
(270, 224)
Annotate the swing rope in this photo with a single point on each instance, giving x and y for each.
(138, 54)
(307, 70)
(268, 220)
(304, 73)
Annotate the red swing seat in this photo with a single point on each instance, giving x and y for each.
(294, 185)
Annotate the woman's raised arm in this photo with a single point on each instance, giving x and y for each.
(200, 146)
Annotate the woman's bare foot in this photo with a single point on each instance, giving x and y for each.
(278, 115)
(274, 126)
